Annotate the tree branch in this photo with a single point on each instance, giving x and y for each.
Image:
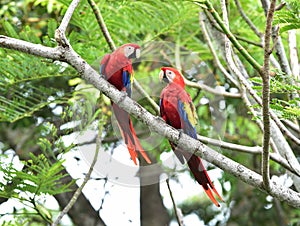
(247, 149)
(280, 52)
(102, 25)
(277, 136)
(266, 97)
(256, 31)
(60, 33)
(30, 48)
(248, 21)
(232, 38)
(217, 27)
(292, 40)
(156, 124)
(212, 50)
(292, 125)
(178, 217)
(140, 89)
(214, 91)
(281, 143)
(87, 176)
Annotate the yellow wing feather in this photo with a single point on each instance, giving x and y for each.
(191, 113)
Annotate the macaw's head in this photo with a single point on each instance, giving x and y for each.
(130, 50)
(171, 76)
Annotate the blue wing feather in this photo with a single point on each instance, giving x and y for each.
(101, 69)
(126, 79)
(188, 128)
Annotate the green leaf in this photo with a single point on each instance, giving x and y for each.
(52, 25)
(9, 29)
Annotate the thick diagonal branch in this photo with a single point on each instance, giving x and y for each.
(157, 125)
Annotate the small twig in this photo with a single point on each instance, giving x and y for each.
(280, 51)
(245, 17)
(292, 125)
(217, 27)
(68, 15)
(257, 32)
(87, 176)
(280, 6)
(275, 38)
(102, 25)
(258, 121)
(140, 89)
(211, 90)
(178, 218)
(212, 50)
(266, 97)
(203, 86)
(243, 39)
(247, 149)
(283, 129)
(294, 60)
(60, 33)
(232, 38)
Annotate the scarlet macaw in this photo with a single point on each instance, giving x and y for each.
(117, 69)
(178, 110)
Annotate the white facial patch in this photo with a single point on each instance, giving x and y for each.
(128, 51)
(170, 75)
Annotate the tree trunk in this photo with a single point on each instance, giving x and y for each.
(152, 210)
(82, 213)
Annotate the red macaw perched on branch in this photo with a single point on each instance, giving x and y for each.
(178, 110)
(117, 69)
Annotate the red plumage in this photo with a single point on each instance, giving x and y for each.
(117, 69)
(177, 109)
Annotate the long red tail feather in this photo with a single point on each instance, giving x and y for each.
(129, 136)
(200, 174)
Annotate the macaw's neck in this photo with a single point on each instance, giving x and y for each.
(117, 65)
(175, 86)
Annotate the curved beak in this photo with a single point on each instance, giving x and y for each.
(137, 53)
(163, 77)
